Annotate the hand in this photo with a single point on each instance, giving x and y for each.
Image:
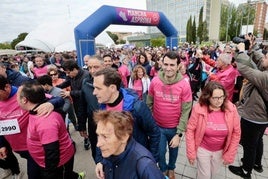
(83, 134)
(175, 141)
(191, 161)
(99, 171)
(3, 153)
(65, 94)
(44, 109)
(241, 47)
(226, 163)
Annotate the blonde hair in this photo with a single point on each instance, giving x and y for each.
(134, 75)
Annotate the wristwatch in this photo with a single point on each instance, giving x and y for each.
(179, 134)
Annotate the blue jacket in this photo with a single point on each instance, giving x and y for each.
(146, 132)
(15, 78)
(135, 162)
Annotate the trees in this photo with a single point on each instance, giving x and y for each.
(20, 38)
(200, 26)
(158, 42)
(114, 37)
(189, 30)
(232, 19)
(193, 33)
(5, 46)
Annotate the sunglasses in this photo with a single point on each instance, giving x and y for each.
(53, 74)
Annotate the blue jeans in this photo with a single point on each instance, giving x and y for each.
(166, 135)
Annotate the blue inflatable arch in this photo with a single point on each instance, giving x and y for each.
(86, 32)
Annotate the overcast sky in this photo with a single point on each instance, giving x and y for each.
(17, 16)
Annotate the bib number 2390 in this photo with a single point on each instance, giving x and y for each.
(8, 127)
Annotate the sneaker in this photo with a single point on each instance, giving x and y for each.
(258, 168)
(81, 175)
(240, 172)
(86, 144)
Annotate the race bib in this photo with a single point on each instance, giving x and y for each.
(8, 127)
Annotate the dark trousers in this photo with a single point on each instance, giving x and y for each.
(63, 172)
(252, 142)
(33, 169)
(92, 137)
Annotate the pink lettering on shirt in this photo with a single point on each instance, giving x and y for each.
(167, 101)
(216, 132)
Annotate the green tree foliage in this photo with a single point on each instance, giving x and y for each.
(205, 31)
(5, 46)
(114, 37)
(189, 32)
(157, 42)
(20, 38)
(122, 41)
(232, 19)
(194, 32)
(200, 26)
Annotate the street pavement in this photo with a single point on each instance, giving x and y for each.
(84, 162)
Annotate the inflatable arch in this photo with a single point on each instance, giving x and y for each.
(91, 27)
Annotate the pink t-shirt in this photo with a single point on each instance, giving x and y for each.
(167, 101)
(118, 107)
(45, 130)
(216, 132)
(123, 70)
(11, 111)
(137, 86)
(40, 71)
(153, 72)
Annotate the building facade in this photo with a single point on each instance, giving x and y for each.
(179, 12)
(260, 15)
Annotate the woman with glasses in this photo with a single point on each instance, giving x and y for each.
(56, 80)
(54, 73)
(213, 131)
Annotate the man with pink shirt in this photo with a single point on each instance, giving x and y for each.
(170, 98)
(15, 119)
(48, 141)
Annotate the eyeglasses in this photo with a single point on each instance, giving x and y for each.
(53, 74)
(218, 98)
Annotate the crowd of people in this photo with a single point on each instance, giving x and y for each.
(130, 106)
